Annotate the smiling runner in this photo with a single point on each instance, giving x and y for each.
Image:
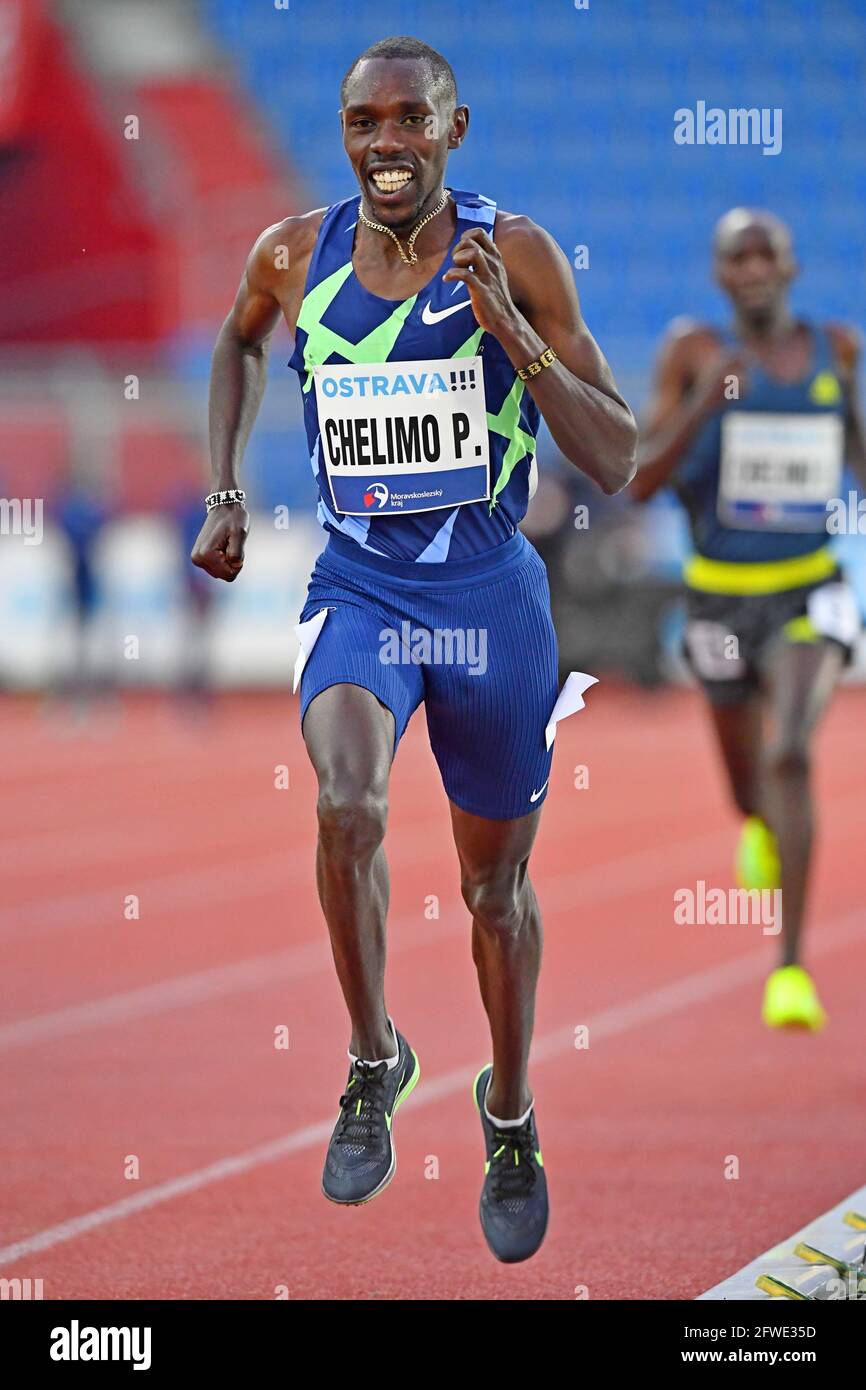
(431, 333)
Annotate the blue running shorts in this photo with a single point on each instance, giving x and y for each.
(472, 638)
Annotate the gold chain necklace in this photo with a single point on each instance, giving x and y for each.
(412, 258)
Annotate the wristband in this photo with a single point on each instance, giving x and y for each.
(232, 496)
(547, 359)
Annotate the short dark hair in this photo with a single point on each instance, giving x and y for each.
(402, 46)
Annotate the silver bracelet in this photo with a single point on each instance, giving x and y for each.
(231, 496)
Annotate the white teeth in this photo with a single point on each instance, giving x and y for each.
(388, 180)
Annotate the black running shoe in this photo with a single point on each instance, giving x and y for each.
(361, 1158)
(514, 1196)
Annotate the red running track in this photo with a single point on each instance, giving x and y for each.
(155, 1037)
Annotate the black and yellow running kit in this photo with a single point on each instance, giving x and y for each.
(756, 482)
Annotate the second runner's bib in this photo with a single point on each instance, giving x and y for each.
(779, 470)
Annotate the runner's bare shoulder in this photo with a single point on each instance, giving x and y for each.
(687, 345)
(521, 239)
(847, 344)
(686, 338)
(284, 248)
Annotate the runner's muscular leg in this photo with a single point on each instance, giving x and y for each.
(738, 734)
(349, 737)
(800, 680)
(506, 943)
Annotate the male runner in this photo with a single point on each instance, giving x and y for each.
(750, 425)
(430, 331)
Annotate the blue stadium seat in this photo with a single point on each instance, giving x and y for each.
(573, 119)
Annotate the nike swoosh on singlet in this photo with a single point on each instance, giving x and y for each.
(536, 795)
(431, 316)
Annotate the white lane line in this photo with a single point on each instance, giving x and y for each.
(255, 876)
(183, 990)
(179, 888)
(165, 1191)
(606, 882)
(827, 1233)
(89, 845)
(260, 876)
(646, 1008)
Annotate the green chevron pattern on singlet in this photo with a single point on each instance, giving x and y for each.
(378, 346)
(322, 341)
(507, 423)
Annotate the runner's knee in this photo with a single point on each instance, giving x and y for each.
(788, 757)
(352, 818)
(495, 897)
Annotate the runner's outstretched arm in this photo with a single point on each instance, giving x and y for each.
(239, 369)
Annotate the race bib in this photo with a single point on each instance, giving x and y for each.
(778, 471)
(403, 436)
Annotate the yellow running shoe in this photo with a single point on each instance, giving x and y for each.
(757, 864)
(791, 1001)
